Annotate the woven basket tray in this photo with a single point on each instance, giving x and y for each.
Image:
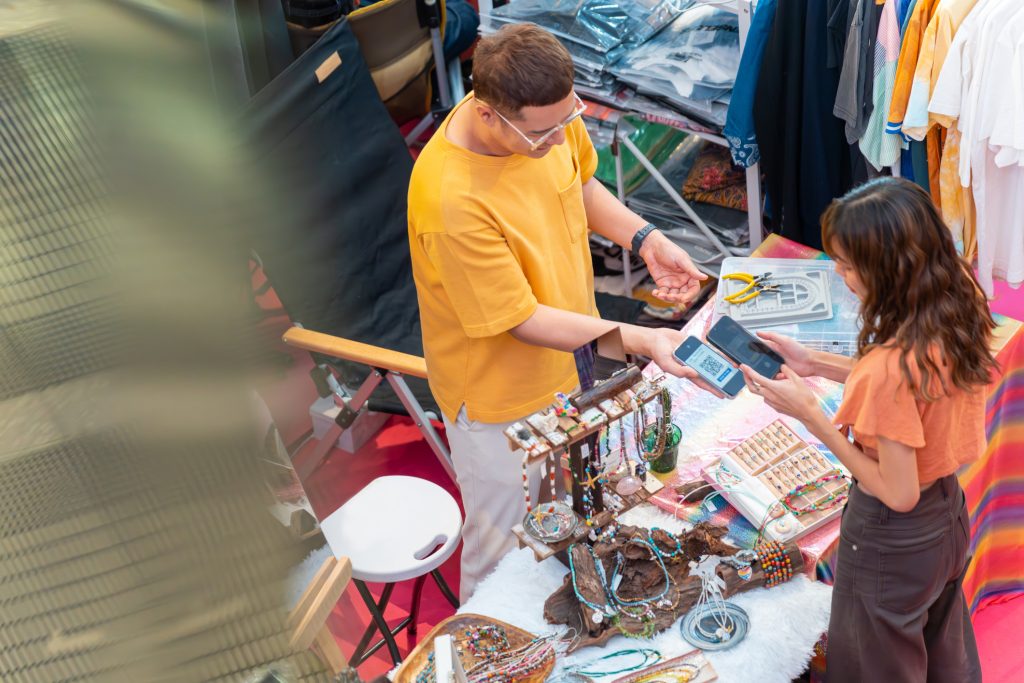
(456, 626)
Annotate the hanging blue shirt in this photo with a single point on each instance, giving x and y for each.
(739, 122)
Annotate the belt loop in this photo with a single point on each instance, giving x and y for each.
(946, 487)
(883, 515)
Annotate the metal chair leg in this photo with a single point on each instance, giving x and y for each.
(445, 590)
(414, 611)
(378, 620)
(382, 604)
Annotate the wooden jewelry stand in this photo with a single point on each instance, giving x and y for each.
(575, 437)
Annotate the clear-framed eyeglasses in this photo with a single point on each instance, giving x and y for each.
(544, 137)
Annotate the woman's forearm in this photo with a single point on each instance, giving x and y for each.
(832, 365)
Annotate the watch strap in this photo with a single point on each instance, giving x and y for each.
(641, 235)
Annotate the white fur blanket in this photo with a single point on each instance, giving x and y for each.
(785, 621)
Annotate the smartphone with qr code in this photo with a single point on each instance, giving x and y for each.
(714, 368)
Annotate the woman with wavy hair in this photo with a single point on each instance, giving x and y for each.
(913, 412)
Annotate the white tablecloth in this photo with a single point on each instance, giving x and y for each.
(785, 621)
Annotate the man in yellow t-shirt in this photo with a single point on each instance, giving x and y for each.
(500, 202)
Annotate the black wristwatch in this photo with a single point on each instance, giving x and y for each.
(641, 235)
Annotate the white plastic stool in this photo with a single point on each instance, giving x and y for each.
(395, 529)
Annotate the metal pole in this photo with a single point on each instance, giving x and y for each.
(745, 13)
(627, 270)
(671, 191)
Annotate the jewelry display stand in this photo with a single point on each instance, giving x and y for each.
(772, 467)
(574, 439)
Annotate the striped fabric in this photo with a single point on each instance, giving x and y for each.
(995, 487)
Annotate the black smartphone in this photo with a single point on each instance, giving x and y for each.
(745, 348)
(709, 364)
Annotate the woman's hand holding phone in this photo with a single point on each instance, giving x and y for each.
(798, 357)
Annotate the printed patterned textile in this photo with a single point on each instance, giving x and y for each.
(715, 180)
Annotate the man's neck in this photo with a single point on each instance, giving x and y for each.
(466, 130)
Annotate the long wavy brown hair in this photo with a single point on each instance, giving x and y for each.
(921, 296)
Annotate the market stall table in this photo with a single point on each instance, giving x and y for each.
(785, 621)
(711, 427)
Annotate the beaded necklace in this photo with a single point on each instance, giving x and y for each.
(499, 662)
(650, 657)
(664, 570)
(675, 553)
(551, 465)
(830, 501)
(661, 424)
(600, 611)
(613, 604)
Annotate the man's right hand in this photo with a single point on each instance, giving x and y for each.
(798, 357)
(661, 345)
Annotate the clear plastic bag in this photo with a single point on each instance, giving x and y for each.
(598, 24)
(695, 58)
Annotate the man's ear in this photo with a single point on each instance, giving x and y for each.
(486, 114)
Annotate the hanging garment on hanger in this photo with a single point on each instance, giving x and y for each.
(837, 27)
(999, 188)
(905, 68)
(854, 100)
(935, 45)
(976, 88)
(935, 42)
(739, 122)
(882, 149)
(957, 202)
(804, 154)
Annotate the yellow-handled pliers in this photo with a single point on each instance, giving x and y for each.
(756, 284)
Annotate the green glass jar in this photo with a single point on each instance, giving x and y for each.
(666, 462)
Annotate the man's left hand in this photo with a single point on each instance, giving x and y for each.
(677, 279)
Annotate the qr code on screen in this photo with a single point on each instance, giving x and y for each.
(711, 366)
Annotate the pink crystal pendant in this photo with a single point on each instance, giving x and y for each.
(627, 486)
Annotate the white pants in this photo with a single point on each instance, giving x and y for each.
(490, 477)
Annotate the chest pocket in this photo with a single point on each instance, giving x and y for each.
(575, 214)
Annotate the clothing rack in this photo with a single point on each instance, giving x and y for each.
(744, 9)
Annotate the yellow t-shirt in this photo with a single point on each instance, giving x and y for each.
(491, 237)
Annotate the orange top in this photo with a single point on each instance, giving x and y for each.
(878, 402)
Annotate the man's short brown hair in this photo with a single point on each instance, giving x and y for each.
(521, 65)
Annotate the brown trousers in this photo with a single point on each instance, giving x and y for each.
(898, 609)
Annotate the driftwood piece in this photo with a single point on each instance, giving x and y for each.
(642, 578)
(701, 488)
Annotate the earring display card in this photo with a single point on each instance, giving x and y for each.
(759, 474)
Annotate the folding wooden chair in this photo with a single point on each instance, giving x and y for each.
(308, 620)
(337, 255)
(392, 366)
